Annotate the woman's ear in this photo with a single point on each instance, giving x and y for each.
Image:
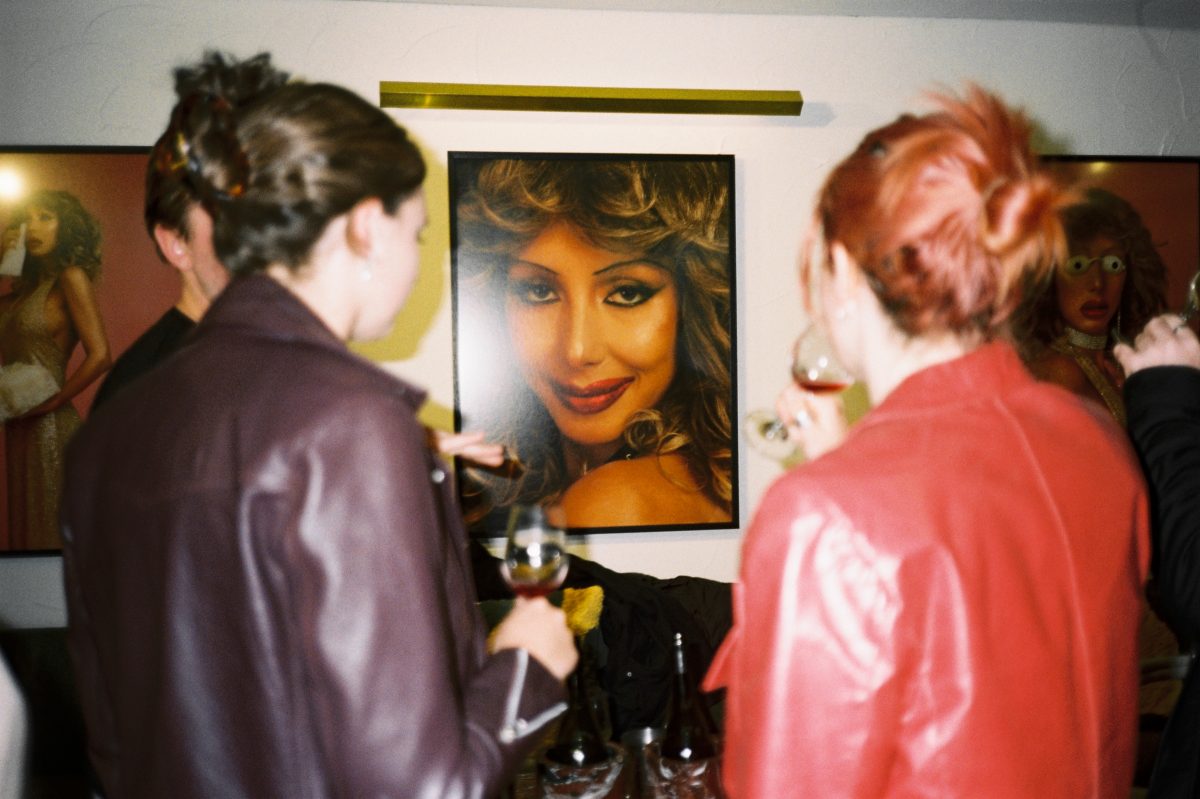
(847, 277)
(174, 247)
(362, 225)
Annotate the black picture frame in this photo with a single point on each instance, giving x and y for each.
(514, 378)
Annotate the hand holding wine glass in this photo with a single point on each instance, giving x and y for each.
(816, 376)
(535, 564)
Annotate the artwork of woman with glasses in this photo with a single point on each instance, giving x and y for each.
(1111, 284)
(594, 335)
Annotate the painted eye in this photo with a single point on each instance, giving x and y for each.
(1112, 264)
(1077, 264)
(630, 295)
(531, 292)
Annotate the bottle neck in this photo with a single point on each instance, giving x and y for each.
(689, 733)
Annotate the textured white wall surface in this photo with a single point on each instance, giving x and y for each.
(97, 73)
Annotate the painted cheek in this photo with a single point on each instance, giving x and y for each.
(533, 337)
(1116, 285)
(651, 340)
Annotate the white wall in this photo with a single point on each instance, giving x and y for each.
(96, 72)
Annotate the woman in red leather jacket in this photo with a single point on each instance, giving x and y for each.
(268, 585)
(945, 602)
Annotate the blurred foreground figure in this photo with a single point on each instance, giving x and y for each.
(945, 602)
(1162, 396)
(267, 587)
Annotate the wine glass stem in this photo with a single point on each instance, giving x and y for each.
(774, 429)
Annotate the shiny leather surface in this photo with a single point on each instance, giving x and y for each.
(945, 606)
(267, 581)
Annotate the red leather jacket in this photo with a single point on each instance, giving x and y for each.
(268, 588)
(945, 606)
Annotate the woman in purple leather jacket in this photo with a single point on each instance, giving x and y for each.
(268, 585)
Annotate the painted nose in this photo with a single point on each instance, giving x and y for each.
(584, 345)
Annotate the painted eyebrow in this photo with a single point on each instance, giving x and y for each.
(602, 270)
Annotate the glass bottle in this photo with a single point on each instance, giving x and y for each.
(579, 742)
(687, 761)
(580, 764)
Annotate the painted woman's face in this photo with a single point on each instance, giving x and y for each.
(594, 331)
(1090, 283)
(41, 232)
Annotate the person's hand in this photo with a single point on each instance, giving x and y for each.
(815, 422)
(470, 447)
(541, 630)
(1165, 341)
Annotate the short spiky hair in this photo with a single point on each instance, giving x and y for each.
(169, 191)
(947, 214)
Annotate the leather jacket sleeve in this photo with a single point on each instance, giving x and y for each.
(379, 593)
(1163, 405)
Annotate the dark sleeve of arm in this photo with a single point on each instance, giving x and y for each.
(406, 700)
(1163, 406)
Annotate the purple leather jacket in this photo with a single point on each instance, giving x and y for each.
(268, 586)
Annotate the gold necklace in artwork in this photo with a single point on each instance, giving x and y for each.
(1080, 347)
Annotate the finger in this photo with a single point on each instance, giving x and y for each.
(447, 439)
(483, 454)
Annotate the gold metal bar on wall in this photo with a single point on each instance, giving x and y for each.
(492, 97)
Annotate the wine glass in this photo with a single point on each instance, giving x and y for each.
(1193, 301)
(535, 552)
(814, 368)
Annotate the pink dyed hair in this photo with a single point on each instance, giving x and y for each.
(949, 215)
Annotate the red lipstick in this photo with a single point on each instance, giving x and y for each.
(592, 398)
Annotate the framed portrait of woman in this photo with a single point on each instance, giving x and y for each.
(594, 336)
(78, 276)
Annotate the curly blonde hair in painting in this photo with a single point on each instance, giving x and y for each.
(676, 212)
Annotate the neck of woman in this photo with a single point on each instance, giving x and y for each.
(1084, 341)
(582, 458)
(890, 356)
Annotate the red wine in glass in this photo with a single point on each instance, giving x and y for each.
(823, 386)
(535, 550)
(815, 369)
(528, 580)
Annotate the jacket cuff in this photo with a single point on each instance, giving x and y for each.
(1173, 385)
(534, 696)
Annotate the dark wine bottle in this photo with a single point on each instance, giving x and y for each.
(579, 741)
(690, 733)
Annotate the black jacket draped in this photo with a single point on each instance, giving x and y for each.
(1163, 406)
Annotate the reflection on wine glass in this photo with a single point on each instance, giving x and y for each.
(535, 553)
(1192, 307)
(815, 369)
